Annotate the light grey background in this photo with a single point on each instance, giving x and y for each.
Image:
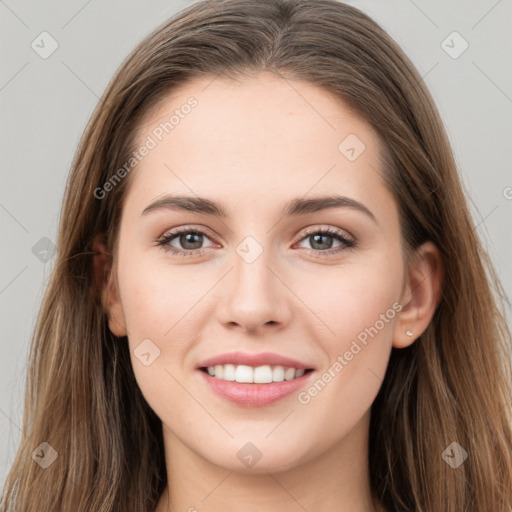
(46, 103)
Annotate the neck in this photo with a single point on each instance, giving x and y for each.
(335, 480)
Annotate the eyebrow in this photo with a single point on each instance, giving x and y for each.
(299, 206)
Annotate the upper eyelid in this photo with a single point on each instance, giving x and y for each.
(185, 229)
(329, 229)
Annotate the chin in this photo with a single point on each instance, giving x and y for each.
(256, 458)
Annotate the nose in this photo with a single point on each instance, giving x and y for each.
(253, 298)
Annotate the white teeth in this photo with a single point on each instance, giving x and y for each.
(278, 374)
(242, 373)
(219, 371)
(249, 374)
(289, 373)
(262, 374)
(229, 372)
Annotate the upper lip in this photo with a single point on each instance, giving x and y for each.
(261, 359)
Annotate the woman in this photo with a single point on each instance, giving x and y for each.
(329, 341)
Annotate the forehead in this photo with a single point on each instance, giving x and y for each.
(255, 136)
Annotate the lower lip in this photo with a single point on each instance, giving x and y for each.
(254, 395)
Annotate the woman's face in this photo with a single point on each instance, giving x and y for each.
(261, 280)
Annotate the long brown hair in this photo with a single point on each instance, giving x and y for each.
(451, 385)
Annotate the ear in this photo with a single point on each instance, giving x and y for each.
(421, 295)
(106, 284)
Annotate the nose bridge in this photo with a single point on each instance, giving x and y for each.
(251, 276)
(253, 297)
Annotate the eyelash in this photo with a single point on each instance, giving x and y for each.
(164, 241)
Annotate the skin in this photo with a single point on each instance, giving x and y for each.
(252, 145)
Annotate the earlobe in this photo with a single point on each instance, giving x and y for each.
(106, 285)
(421, 296)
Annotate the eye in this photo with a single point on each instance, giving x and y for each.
(189, 241)
(322, 239)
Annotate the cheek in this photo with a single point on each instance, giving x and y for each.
(156, 297)
(163, 306)
(346, 302)
(356, 314)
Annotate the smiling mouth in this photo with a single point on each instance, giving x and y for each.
(265, 374)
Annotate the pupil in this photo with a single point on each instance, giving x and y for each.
(324, 245)
(188, 238)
